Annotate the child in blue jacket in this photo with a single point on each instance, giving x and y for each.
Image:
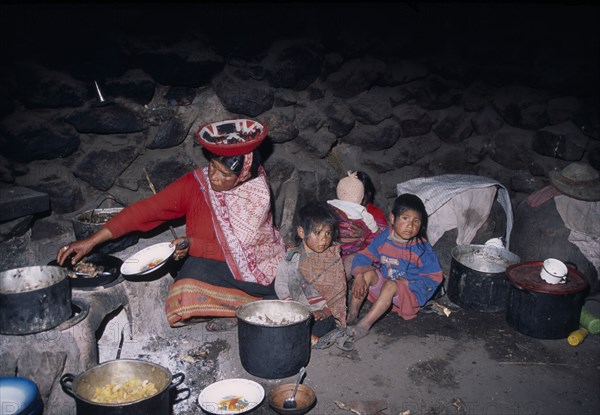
(399, 268)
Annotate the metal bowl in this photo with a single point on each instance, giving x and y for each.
(305, 399)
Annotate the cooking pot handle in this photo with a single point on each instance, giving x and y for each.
(572, 265)
(177, 382)
(182, 398)
(66, 381)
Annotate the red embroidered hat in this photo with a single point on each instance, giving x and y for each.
(232, 137)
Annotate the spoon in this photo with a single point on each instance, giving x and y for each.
(290, 402)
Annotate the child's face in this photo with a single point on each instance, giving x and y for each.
(318, 240)
(407, 224)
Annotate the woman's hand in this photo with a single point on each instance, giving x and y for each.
(320, 315)
(81, 248)
(181, 250)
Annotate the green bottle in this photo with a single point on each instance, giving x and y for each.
(590, 321)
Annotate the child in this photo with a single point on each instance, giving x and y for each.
(398, 268)
(357, 226)
(367, 201)
(312, 273)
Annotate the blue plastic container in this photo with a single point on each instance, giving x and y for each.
(19, 396)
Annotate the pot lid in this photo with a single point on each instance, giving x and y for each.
(526, 275)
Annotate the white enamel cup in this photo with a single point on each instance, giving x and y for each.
(554, 271)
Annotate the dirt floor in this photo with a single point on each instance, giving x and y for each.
(465, 363)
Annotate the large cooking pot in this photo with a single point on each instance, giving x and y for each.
(83, 386)
(477, 277)
(274, 337)
(542, 310)
(33, 299)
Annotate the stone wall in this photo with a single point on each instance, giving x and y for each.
(93, 96)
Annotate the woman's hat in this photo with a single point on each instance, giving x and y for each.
(577, 180)
(232, 137)
(351, 189)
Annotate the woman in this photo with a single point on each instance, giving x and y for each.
(234, 248)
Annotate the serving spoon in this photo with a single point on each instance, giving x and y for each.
(290, 402)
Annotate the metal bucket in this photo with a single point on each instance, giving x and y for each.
(274, 337)
(477, 277)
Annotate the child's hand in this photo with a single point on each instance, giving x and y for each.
(320, 315)
(359, 286)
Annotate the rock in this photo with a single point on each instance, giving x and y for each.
(308, 117)
(15, 227)
(36, 135)
(317, 180)
(401, 175)
(167, 135)
(332, 62)
(284, 97)
(374, 137)
(408, 150)
(522, 181)
(340, 119)
(588, 118)
(293, 63)
(476, 148)
(180, 95)
(165, 171)
(511, 147)
(16, 201)
(281, 124)
(413, 120)
(564, 141)
(58, 182)
(17, 252)
(107, 118)
(99, 58)
(403, 71)
(135, 85)
(436, 93)
(371, 107)
(562, 109)
(486, 120)
(44, 88)
(316, 144)
(477, 96)
(355, 76)
(104, 160)
(522, 107)
(243, 96)
(453, 126)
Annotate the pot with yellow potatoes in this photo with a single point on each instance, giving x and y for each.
(125, 387)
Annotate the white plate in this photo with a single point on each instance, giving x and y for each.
(148, 259)
(251, 394)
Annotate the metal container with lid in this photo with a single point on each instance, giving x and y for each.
(542, 310)
(477, 280)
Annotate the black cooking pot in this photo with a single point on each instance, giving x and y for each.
(91, 221)
(33, 299)
(477, 277)
(274, 337)
(83, 387)
(542, 310)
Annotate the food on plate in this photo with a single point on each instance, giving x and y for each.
(130, 391)
(232, 403)
(84, 269)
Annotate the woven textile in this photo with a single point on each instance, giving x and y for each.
(243, 223)
(189, 297)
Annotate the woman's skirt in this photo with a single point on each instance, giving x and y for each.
(206, 288)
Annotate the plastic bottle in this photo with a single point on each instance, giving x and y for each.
(589, 321)
(577, 337)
